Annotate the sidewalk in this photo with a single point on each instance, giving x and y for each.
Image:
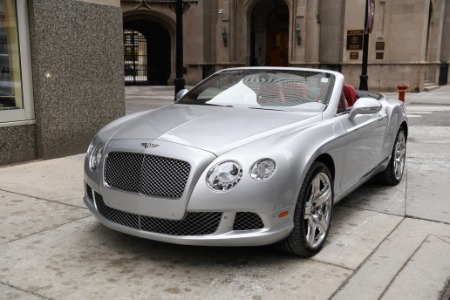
(385, 242)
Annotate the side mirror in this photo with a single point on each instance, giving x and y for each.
(180, 94)
(364, 106)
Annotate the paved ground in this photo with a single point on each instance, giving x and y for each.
(385, 243)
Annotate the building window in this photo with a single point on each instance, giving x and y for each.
(15, 71)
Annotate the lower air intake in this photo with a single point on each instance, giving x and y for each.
(194, 223)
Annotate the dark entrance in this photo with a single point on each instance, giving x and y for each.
(443, 73)
(147, 51)
(269, 33)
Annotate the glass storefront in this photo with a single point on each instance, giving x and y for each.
(10, 77)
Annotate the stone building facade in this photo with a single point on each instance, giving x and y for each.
(409, 42)
(63, 64)
(61, 76)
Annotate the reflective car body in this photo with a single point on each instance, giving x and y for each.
(225, 164)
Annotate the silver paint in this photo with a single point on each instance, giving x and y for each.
(358, 141)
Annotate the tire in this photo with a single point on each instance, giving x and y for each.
(312, 219)
(393, 173)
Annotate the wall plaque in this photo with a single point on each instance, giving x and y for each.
(354, 55)
(355, 39)
(379, 45)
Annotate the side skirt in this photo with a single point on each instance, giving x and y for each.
(379, 168)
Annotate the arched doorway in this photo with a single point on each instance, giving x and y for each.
(269, 33)
(147, 49)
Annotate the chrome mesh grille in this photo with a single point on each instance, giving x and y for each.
(116, 216)
(147, 174)
(247, 221)
(123, 171)
(194, 223)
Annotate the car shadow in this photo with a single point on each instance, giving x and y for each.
(190, 256)
(377, 197)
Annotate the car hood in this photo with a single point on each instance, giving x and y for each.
(210, 128)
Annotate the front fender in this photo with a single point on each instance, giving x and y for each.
(293, 151)
(396, 114)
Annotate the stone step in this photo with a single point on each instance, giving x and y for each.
(430, 86)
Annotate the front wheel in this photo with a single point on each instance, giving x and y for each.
(394, 171)
(312, 216)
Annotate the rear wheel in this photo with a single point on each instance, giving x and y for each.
(312, 216)
(393, 174)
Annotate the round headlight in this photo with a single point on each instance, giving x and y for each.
(95, 156)
(224, 176)
(262, 169)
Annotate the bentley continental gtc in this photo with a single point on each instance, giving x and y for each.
(247, 157)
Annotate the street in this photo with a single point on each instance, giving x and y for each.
(385, 242)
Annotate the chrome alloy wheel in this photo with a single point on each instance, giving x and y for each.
(313, 213)
(399, 155)
(317, 215)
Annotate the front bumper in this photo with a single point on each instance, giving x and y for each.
(196, 228)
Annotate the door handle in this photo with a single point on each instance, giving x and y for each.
(381, 117)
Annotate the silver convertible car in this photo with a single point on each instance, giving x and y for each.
(249, 156)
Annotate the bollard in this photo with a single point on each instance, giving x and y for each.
(401, 91)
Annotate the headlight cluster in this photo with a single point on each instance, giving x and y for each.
(262, 169)
(226, 175)
(94, 154)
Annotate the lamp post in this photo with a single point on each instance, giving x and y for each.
(179, 79)
(180, 7)
(364, 78)
(368, 25)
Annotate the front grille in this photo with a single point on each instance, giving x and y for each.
(194, 223)
(247, 221)
(116, 216)
(147, 174)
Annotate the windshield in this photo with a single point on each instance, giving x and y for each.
(264, 89)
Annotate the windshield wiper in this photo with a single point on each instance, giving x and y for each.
(221, 105)
(264, 108)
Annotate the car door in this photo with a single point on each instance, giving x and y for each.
(364, 137)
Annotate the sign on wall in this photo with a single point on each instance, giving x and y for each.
(355, 39)
(379, 46)
(354, 55)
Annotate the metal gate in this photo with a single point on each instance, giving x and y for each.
(135, 57)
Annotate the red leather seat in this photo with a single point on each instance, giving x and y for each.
(270, 94)
(295, 93)
(342, 104)
(349, 94)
